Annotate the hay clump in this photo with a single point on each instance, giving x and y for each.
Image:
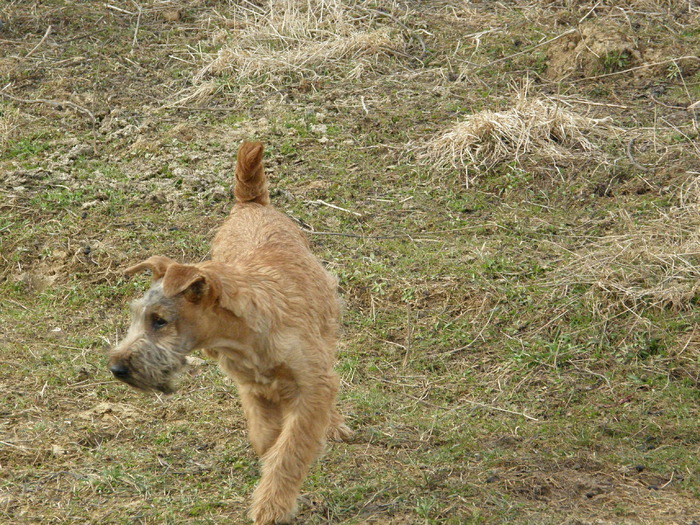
(247, 63)
(297, 39)
(535, 128)
(652, 265)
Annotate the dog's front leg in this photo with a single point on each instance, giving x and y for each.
(286, 463)
(264, 419)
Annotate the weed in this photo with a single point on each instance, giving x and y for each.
(615, 61)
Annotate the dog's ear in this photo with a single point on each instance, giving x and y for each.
(157, 264)
(197, 285)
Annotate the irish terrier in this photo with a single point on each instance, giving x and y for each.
(267, 309)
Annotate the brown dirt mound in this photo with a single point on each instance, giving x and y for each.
(597, 48)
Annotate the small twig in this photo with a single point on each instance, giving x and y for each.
(27, 309)
(23, 449)
(491, 407)
(48, 32)
(634, 163)
(319, 201)
(357, 235)
(85, 384)
(593, 374)
(651, 95)
(668, 482)
(405, 235)
(475, 403)
(499, 409)
(136, 30)
(205, 108)
(255, 8)
(461, 348)
(110, 6)
(568, 100)
(589, 12)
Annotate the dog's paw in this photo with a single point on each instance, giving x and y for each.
(214, 354)
(270, 510)
(340, 432)
(269, 516)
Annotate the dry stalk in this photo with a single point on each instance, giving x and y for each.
(43, 38)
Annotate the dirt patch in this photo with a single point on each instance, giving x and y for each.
(596, 48)
(111, 413)
(631, 493)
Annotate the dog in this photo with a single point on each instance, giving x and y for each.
(268, 311)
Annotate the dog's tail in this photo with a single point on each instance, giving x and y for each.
(251, 183)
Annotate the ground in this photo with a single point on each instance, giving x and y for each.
(520, 336)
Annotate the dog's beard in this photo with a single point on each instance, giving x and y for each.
(154, 368)
(164, 382)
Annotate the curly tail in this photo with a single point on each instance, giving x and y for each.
(251, 183)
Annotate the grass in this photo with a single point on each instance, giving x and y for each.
(519, 350)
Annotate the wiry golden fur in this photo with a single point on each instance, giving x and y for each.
(266, 308)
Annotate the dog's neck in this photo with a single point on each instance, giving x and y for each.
(240, 359)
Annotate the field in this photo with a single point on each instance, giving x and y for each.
(508, 192)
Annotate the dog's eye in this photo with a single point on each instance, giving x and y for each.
(158, 322)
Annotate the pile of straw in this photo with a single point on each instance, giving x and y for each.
(298, 39)
(536, 128)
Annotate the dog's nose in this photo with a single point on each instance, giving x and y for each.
(119, 370)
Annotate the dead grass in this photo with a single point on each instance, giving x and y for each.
(655, 264)
(297, 39)
(10, 122)
(536, 129)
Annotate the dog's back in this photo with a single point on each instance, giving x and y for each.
(253, 224)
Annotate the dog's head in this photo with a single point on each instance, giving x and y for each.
(175, 316)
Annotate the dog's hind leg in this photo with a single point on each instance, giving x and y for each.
(337, 429)
(287, 462)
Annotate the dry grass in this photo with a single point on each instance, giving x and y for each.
(653, 265)
(10, 121)
(300, 39)
(536, 128)
(649, 7)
